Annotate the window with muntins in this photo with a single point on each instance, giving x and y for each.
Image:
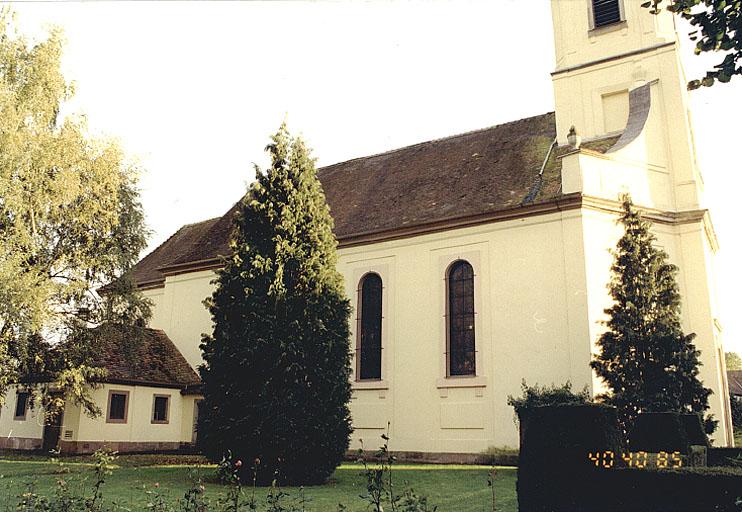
(461, 355)
(369, 334)
(117, 406)
(606, 12)
(160, 409)
(21, 405)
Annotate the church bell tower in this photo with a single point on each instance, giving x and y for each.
(618, 71)
(620, 83)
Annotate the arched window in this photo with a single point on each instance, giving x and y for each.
(461, 355)
(368, 351)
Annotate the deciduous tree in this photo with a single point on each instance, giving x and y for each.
(70, 221)
(717, 28)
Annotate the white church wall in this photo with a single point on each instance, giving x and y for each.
(179, 311)
(527, 288)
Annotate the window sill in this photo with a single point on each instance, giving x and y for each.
(619, 25)
(370, 384)
(462, 382)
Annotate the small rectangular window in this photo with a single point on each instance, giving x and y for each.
(606, 12)
(160, 409)
(118, 406)
(21, 406)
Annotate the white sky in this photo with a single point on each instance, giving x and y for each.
(193, 90)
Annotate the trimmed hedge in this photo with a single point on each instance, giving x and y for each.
(555, 473)
(725, 457)
(555, 442)
(667, 432)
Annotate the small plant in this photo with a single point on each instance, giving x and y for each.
(30, 501)
(380, 484)
(491, 477)
(194, 499)
(157, 501)
(102, 468)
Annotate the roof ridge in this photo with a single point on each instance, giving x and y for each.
(438, 139)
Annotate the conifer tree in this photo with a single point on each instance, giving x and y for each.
(277, 365)
(645, 359)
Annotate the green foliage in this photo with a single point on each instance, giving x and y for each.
(70, 221)
(718, 28)
(733, 360)
(646, 361)
(535, 396)
(277, 365)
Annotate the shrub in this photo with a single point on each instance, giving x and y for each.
(535, 396)
(667, 431)
(555, 443)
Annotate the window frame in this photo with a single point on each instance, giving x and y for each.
(18, 395)
(449, 270)
(112, 392)
(167, 409)
(359, 328)
(591, 16)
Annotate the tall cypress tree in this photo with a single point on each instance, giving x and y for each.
(277, 365)
(645, 359)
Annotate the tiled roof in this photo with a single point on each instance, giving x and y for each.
(138, 355)
(472, 174)
(735, 382)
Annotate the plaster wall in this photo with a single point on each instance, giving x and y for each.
(138, 426)
(30, 428)
(531, 323)
(179, 311)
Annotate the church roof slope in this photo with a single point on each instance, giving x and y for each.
(735, 382)
(147, 270)
(466, 175)
(460, 176)
(138, 355)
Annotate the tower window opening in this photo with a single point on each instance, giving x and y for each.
(606, 12)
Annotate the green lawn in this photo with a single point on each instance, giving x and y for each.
(452, 488)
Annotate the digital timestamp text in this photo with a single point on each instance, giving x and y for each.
(607, 459)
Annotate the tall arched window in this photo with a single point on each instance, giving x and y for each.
(461, 355)
(368, 351)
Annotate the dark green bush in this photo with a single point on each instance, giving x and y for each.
(667, 431)
(555, 443)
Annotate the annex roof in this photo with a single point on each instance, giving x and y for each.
(142, 356)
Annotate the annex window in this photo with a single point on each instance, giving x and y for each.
(460, 354)
(160, 409)
(606, 12)
(368, 349)
(21, 406)
(118, 406)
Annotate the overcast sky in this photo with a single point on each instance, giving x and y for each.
(192, 90)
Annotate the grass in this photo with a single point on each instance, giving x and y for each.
(452, 488)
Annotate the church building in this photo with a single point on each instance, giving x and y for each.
(472, 262)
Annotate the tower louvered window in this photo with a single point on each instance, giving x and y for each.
(606, 12)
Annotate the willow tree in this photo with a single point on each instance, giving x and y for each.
(277, 365)
(70, 221)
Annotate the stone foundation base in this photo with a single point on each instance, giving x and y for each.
(84, 447)
(20, 443)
